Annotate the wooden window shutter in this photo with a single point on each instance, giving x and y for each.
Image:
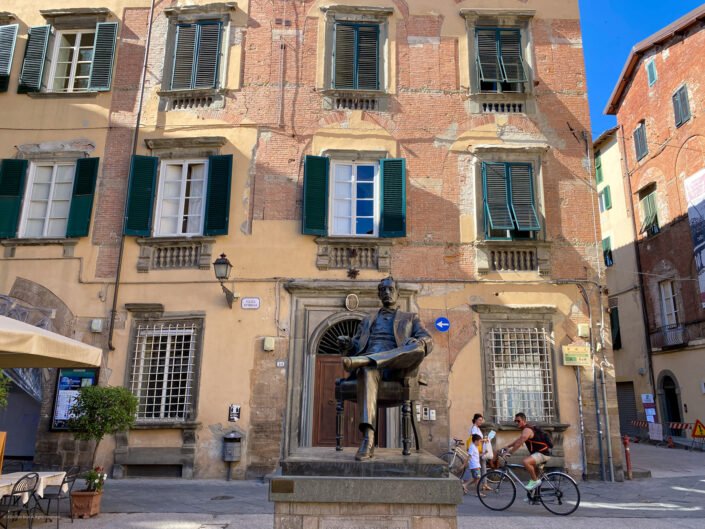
(607, 251)
(640, 145)
(685, 105)
(494, 183)
(208, 53)
(220, 170)
(522, 197)
(393, 199)
(8, 37)
(344, 71)
(598, 169)
(614, 325)
(315, 203)
(140, 195)
(511, 56)
(12, 181)
(184, 56)
(488, 55)
(82, 197)
(367, 58)
(103, 56)
(608, 197)
(34, 56)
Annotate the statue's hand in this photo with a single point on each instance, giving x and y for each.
(411, 341)
(344, 343)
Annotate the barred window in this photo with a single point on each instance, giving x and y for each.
(520, 373)
(163, 370)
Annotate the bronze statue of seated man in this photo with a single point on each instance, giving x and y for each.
(388, 345)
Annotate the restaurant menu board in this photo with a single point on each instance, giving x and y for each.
(69, 383)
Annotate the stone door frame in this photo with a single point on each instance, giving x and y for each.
(315, 305)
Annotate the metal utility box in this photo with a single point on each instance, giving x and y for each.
(232, 446)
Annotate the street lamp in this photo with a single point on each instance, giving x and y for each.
(222, 268)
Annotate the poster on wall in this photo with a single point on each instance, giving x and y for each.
(695, 195)
(68, 384)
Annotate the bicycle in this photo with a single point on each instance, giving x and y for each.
(456, 458)
(558, 492)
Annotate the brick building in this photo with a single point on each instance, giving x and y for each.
(657, 102)
(323, 146)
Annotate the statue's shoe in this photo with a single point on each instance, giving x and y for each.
(366, 450)
(351, 363)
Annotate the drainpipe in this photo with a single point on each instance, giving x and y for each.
(583, 454)
(116, 289)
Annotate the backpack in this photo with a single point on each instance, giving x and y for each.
(541, 437)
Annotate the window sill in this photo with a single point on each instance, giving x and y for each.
(211, 99)
(175, 425)
(174, 253)
(11, 244)
(513, 256)
(63, 95)
(371, 100)
(354, 252)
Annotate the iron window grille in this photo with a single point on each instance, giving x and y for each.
(163, 371)
(520, 373)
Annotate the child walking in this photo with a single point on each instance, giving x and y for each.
(473, 463)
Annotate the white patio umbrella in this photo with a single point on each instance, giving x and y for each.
(24, 345)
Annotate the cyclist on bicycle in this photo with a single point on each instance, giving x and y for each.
(539, 451)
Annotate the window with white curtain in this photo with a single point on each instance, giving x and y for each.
(47, 200)
(669, 305)
(519, 365)
(181, 199)
(354, 203)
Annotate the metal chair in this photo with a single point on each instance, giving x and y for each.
(57, 493)
(14, 504)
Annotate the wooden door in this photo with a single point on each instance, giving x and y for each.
(328, 369)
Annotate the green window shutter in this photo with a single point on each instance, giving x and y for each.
(677, 113)
(393, 199)
(640, 144)
(82, 197)
(598, 169)
(103, 56)
(184, 56)
(344, 71)
(12, 180)
(607, 251)
(367, 54)
(315, 204)
(685, 105)
(8, 37)
(208, 53)
(614, 325)
(608, 197)
(140, 195)
(651, 72)
(487, 47)
(33, 63)
(511, 56)
(220, 170)
(522, 197)
(496, 196)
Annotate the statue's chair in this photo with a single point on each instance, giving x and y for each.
(392, 393)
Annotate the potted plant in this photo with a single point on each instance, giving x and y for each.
(96, 412)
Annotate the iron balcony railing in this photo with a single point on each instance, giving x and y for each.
(669, 336)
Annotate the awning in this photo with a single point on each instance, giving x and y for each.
(23, 345)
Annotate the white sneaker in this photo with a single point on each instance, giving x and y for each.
(531, 485)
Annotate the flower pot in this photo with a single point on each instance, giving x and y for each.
(85, 503)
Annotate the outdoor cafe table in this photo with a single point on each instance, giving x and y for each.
(53, 478)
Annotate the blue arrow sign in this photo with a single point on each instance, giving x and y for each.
(442, 324)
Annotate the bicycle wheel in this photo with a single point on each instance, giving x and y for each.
(559, 493)
(496, 490)
(455, 464)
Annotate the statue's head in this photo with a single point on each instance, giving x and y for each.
(387, 291)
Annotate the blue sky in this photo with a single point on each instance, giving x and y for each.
(610, 29)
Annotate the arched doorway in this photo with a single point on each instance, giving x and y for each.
(670, 401)
(328, 368)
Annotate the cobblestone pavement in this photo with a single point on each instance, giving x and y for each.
(674, 496)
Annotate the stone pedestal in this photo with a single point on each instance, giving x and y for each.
(389, 492)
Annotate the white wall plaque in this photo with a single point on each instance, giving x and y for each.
(249, 303)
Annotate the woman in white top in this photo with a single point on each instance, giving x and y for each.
(477, 421)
